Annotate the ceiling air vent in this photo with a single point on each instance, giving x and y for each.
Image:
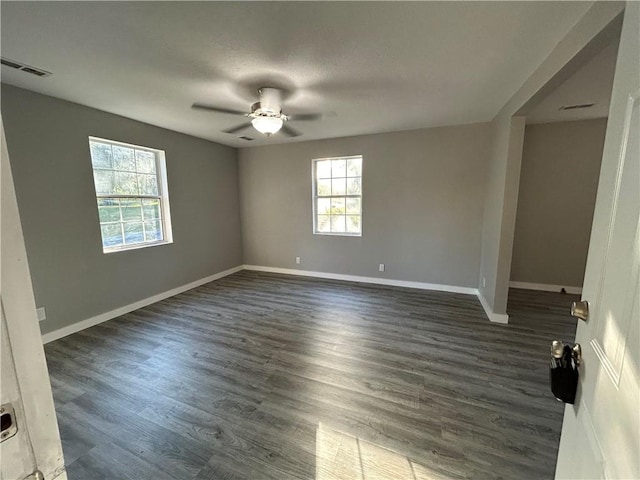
(248, 139)
(24, 68)
(11, 64)
(576, 107)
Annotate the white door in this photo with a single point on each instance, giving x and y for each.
(600, 433)
(25, 390)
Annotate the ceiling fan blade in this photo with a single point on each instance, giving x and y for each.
(305, 116)
(237, 128)
(290, 132)
(210, 108)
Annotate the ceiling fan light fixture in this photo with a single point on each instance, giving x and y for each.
(267, 125)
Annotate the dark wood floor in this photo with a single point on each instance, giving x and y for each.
(262, 376)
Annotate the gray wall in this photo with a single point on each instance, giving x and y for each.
(558, 183)
(49, 152)
(422, 205)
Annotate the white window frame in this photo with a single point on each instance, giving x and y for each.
(163, 197)
(314, 195)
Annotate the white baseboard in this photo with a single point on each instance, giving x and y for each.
(543, 287)
(374, 280)
(493, 317)
(103, 317)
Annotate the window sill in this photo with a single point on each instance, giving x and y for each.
(137, 246)
(330, 234)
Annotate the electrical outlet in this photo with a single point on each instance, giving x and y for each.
(484, 282)
(381, 267)
(298, 260)
(42, 314)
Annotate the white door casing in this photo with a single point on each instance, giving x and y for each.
(16, 454)
(25, 378)
(601, 432)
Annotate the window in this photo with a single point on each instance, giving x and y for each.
(131, 190)
(337, 196)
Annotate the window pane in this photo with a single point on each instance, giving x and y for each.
(108, 210)
(338, 189)
(101, 156)
(354, 167)
(353, 186)
(128, 186)
(353, 205)
(145, 162)
(133, 232)
(338, 223)
(111, 235)
(323, 206)
(324, 187)
(148, 184)
(151, 209)
(324, 223)
(153, 231)
(323, 169)
(338, 186)
(131, 209)
(338, 168)
(104, 182)
(125, 183)
(353, 224)
(123, 159)
(337, 206)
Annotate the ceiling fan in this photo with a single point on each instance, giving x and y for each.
(266, 115)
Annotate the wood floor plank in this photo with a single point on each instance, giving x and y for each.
(263, 376)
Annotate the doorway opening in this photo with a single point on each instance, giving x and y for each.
(562, 152)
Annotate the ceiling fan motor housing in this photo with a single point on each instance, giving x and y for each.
(270, 100)
(258, 110)
(267, 113)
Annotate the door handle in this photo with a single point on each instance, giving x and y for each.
(557, 352)
(580, 310)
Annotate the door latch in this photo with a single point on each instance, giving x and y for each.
(8, 422)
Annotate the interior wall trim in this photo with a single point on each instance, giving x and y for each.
(544, 287)
(361, 279)
(493, 317)
(103, 317)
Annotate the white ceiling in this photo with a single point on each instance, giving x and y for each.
(380, 66)
(592, 83)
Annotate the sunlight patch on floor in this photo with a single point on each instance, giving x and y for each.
(340, 456)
